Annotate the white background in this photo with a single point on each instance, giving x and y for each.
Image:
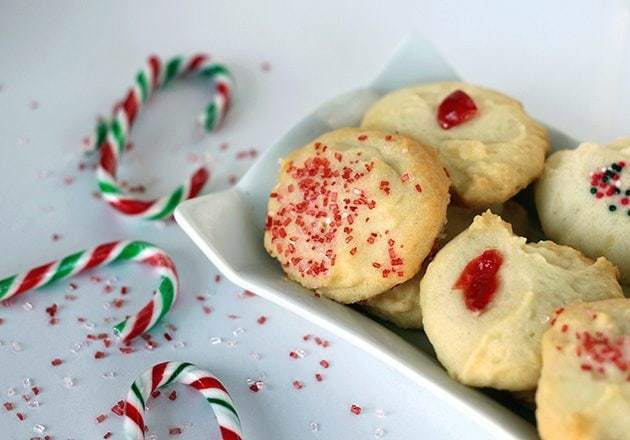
(72, 60)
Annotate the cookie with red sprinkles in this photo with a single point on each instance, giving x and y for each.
(489, 295)
(584, 388)
(490, 146)
(355, 212)
(583, 200)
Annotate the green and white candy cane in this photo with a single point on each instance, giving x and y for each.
(167, 373)
(101, 255)
(111, 137)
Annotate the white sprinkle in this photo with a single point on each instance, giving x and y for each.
(11, 392)
(68, 382)
(215, 340)
(39, 428)
(314, 426)
(89, 325)
(379, 413)
(357, 191)
(327, 220)
(231, 343)
(109, 374)
(256, 356)
(152, 437)
(178, 344)
(238, 331)
(16, 346)
(379, 433)
(33, 403)
(107, 305)
(301, 353)
(27, 306)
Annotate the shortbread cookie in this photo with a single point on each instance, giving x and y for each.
(401, 305)
(494, 153)
(584, 387)
(488, 296)
(355, 212)
(583, 200)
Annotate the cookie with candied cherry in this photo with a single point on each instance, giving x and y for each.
(401, 304)
(583, 200)
(488, 296)
(584, 387)
(491, 148)
(355, 212)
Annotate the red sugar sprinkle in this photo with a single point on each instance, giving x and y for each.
(8, 406)
(418, 187)
(353, 251)
(172, 396)
(324, 363)
(355, 409)
(35, 390)
(388, 137)
(254, 387)
(56, 362)
(99, 355)
(362, 137)
(293, 355)
(261, 320)
(207, 310)
(107, 435)
(404, 177)
(217, 278)
(297, 384)
(55, 237)
(124, 290)
(119, 408)
(155, 394)
(168, 337)
(20, 416)
(318, 377)
(564, 328)
(175, 430)
(52, 310)
(101, 418)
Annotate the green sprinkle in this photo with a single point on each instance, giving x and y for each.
(612, 208)
(593, 190)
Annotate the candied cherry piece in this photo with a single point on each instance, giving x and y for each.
(479, 280)
(456, 109)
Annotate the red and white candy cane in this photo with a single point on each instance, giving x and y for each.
(166, 373)
(101, 255)
(111, 137)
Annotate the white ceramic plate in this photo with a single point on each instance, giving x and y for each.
(228, 227)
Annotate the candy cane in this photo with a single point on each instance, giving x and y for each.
(111, 137)
(166, 373)
(102, 255)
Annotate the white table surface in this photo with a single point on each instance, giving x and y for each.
(63, 63)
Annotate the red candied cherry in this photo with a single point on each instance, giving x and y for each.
(456, 109)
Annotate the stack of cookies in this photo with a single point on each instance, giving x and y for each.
(412, 217)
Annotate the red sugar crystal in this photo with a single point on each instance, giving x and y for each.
(318, 377)
(56, 362)
(293, 355)
(297, 385)
(107, 435)
(101, 418)
(175, 431)
(456, 109)
(20, 416)
(35, 390)
(261, 320)
(362, 137)
(8, 406)
(99, 355)
(124, 290)
(168, 337)
(355, 409)
(52, 310)
(173, 395)
(155, 394)
(119, 408)
(324, 363)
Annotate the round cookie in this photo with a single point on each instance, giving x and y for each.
(355, 212)
(401, 305)
(487, 297)
(489, 157)
(584, 387)
(583, 200)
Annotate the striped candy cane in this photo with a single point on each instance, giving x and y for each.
(166, 373)
(111, 137)
(101, 255)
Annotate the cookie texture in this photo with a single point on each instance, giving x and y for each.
(355, 212)
(401, 304)
(488, 296)
(489, 157)
(583, 200)
(584, 388)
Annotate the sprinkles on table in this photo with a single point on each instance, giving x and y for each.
(606, 183)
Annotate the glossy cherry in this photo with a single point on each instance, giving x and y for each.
(456, 109)
(479, 280)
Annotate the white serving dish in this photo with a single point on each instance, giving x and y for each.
(228, 227)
